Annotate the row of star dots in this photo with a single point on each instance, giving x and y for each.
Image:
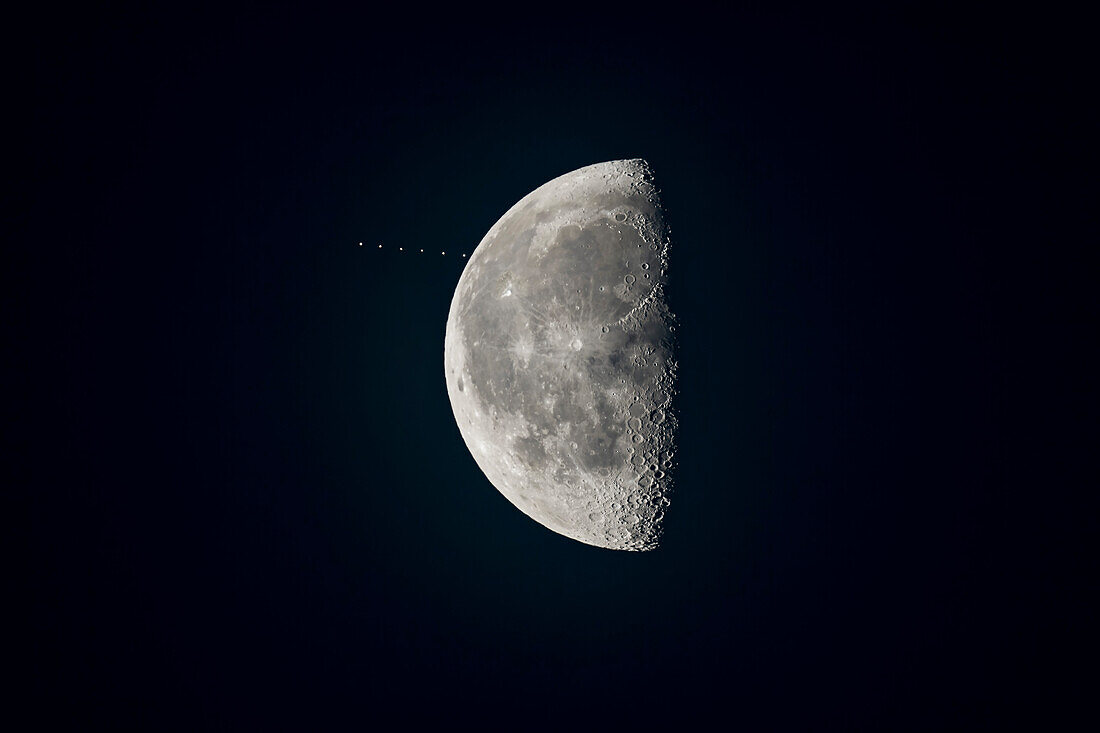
(402, 249)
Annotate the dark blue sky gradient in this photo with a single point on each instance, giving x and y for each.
(250, 506)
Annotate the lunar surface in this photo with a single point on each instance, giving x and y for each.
(559, 356)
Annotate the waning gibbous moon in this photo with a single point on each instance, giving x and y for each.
(559, 356)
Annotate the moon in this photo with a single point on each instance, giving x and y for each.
(559, 356)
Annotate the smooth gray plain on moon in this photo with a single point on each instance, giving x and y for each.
(559, 358)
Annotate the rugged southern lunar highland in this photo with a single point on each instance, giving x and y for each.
(559, 357)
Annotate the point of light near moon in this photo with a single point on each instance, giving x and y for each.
(402, 249)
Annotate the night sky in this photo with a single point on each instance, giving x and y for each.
(242, 498)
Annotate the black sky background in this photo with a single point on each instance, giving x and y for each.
(248, 504)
